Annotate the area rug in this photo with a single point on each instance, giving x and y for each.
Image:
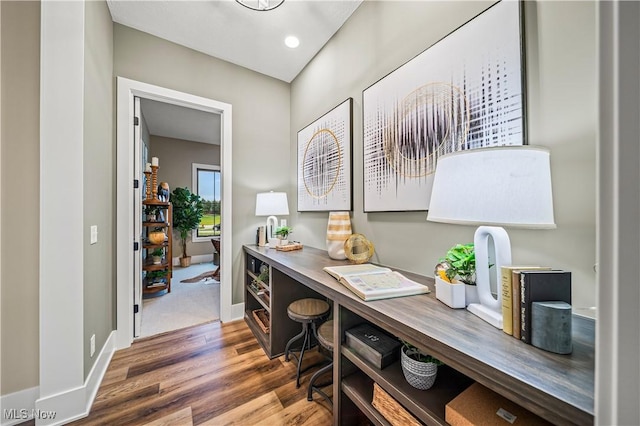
(188, 303)
(210, 275)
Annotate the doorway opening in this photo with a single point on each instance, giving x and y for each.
(186, 143)
(126, 272)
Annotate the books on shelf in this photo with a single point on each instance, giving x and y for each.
(541, 286)
(371, 282)
(508, 302)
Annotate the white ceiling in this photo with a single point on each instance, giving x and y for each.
(173, 121)
(230, 31)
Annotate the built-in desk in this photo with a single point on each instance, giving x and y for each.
(559, 388)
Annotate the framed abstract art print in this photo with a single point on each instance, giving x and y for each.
(466, 91)
(324, 161)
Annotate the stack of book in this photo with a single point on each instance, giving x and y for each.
(524, 285)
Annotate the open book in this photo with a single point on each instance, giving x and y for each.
(371, 282)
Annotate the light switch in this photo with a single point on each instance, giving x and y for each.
(94, 234)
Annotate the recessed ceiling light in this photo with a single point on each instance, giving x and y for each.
(292, 42)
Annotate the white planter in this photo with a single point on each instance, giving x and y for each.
(274, 242)
(471, 294)
(451, 294)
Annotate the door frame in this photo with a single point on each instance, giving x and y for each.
(126, 91)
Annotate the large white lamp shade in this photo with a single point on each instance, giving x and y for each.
(501, 186)
(272, 204)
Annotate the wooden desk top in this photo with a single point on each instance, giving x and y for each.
(558, 387)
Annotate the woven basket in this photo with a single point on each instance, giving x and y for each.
(262, 318)
(390, 409)
(420, 375)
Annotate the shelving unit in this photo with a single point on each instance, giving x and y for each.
(259, 296)
(425, 405)
(149, 283)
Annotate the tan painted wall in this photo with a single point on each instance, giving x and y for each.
(260, 118)
(99, 178)
(176, 157)
(20, 72)
(562, 115)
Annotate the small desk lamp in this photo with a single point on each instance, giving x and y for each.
(501, 186)
(271, 204)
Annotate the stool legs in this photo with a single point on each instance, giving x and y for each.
(306, 342)
(312, 386)
(306, 345)
(287, 348)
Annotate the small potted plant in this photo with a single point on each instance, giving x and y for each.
(283, 233)
(456, 276)
(156, 256)
(154, 277)
(418, 368)
(151, 213)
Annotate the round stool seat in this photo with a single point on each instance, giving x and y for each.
(325, 335)
(308, 310)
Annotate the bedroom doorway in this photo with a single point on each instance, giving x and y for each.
(186, 142)
(127, 91)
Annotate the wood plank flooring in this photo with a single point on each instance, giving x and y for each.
(210, 374)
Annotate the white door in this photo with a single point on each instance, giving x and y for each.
(137, 220)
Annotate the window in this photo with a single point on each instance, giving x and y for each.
(206, 183)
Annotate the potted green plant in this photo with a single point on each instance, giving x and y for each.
(187, 213)
(456, 276)
(151, 213)
(156, 276)
(156, 256)
(461, 261)
(419, 369)
(283, 233)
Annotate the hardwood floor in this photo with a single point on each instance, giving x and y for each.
(210, 374)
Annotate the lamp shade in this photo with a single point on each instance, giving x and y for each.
(271, 204)
(501, 186)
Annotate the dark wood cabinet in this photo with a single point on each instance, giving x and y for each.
(266, 302)
(559, 388)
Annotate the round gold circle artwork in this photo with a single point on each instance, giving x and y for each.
(358, 249)
(321, 163)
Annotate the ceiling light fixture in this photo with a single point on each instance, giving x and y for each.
(260, 5)
(292, 42)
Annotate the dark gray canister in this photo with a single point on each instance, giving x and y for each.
(551, 326)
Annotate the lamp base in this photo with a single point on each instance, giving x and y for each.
(492, 317)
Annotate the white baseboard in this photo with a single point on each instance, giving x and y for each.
(199, 258)
(19, 406)
(76, 403)
(237, 311)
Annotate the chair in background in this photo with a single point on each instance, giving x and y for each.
(216, 245)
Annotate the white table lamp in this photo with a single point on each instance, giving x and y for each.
(271, 204)
(493, 187)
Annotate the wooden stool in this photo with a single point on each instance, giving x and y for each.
(325, 339)
(309, 312)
